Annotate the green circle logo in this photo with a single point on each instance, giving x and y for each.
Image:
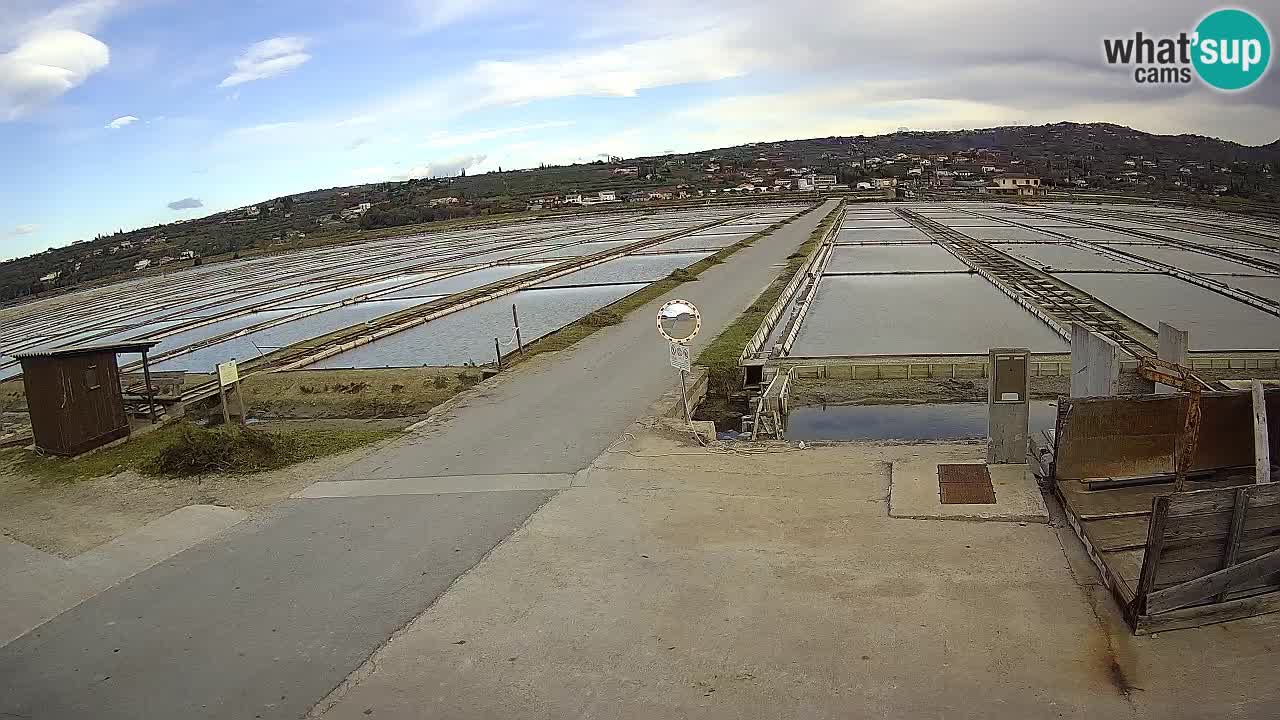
(1232, 49)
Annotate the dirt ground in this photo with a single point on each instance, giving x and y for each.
(68, 515)
(71, 516)
(820, 392)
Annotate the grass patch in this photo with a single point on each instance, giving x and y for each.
(242, 450)
(572, 333)
(722, 355)
(182, 449)
(601, 318)
(359, 394)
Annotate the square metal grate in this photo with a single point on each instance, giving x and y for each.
(965, 484)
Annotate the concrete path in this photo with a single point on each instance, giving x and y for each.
(39, 586)
(678, 582)
(265, 620)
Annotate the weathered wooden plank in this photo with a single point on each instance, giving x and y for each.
(1151, 559)
(1232, 549)
(1121, 533)
(1200, 588)
(1207, 614)
(1218, 525)
(1198, 502)
(1261, 442)
(1251, 541)
(1124, 564)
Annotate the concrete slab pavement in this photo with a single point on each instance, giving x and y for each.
(39, 586)
(681, 582)
(263, 622)
(913, 491)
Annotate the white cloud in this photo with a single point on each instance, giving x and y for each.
(26, 229)
(447, 167)
(619, 71)
(121, 121)
(45, 66)
(267, 58)
(356, 121)
(445, 139)
(188, 203)
(430, 15)
(254, 131)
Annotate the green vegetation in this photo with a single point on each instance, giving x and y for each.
(722, 355)
(616, 311)
(183, 449)
(355, 394)
(241, 450)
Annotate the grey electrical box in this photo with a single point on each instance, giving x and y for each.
(1008, 410)
(1009, 377)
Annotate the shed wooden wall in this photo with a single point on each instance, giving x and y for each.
(67, 416)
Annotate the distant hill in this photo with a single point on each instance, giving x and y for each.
(1101, 155)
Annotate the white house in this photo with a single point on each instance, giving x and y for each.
(804, 182)
(1015, 184)
(573, 199)
(608, 196)
(51, 276)
(824, 182)
(142, 264)
(885, 183)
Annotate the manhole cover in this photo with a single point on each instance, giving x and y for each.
(965, 484)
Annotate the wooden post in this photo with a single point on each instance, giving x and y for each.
(151, 396)
(240, 400)
(515, 319)
(1261, 441)
(497, 352)
(1232, 549)
(1172, 345)
(222, 395)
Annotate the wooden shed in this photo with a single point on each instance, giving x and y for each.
(74, 396)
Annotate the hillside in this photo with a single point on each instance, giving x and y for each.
(1095, 156)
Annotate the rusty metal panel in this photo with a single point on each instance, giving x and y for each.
(1137, 435)
(965, 484)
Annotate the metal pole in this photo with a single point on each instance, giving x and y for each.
(516, 320)
(684, 397)
(151, 396)
(497, 352)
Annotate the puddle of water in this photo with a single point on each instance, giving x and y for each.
(926, 421)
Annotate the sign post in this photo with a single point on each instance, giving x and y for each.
(229, 376)
(679, 321)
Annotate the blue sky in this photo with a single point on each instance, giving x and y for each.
(112, 110)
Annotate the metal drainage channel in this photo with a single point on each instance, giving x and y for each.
(1222, 253)
(1063, 303)
(965, 484)
(1188, 225)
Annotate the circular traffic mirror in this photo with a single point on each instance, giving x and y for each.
(679, 321)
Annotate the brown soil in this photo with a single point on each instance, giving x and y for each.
(68, 517)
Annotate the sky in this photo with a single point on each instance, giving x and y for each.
(118, 114)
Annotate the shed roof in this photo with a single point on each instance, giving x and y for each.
(132, 346)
